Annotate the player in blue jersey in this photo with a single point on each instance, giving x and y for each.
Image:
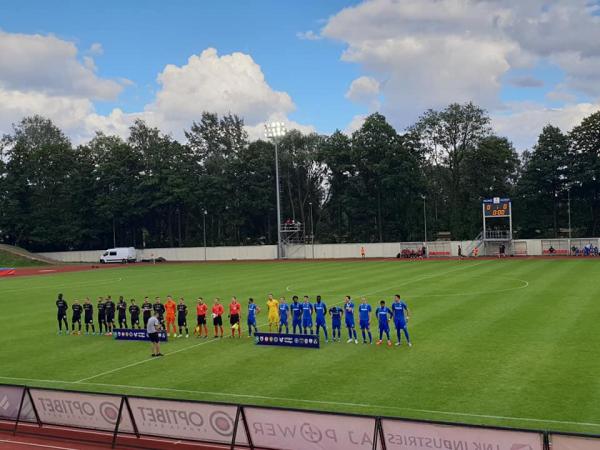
(336, 322)
(383, 316)
(364, 320)
(401, 316)
(296, 312)
(284, 314)
(307, 309)
(320, 313)
(253, 310)
(349, 316)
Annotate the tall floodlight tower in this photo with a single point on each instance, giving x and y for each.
(275, 131)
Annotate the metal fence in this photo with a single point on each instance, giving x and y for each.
(258, 427)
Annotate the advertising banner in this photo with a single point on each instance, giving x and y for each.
(292, 430)
(10, 400)
(287, 340)
(75, 409)
(560, 442)
(126, 334)
(404, 435)
(186, 420)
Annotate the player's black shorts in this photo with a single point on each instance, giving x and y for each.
(181, 322)
(89, 319)
(61, 315)
(218, 321)
(234, 318)
(146, 319)
(201, 320)
(110, 318)
(153, 337)
(101, 319)
(135, 320)
(76, 319)
(122, 318)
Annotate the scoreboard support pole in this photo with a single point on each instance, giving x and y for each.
(484, 222)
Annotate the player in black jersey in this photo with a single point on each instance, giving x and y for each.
(134, 312)
(101, 316)
(160, 309)
(182, 318)
(62, 306)
(76, 318)
(147, 311)
(109, 310)
(122, 312)
(88, 316)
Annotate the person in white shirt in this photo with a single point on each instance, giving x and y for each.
(152, 329)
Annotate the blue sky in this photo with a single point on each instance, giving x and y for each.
(140, 38)
(403, 57)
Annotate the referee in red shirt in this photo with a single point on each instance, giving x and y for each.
(234, 317)
(217, 314)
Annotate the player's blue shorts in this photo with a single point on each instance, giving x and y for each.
(349, 322)
(252, 321)
(320, 321)
(307, 322)
(283, 322)
(336, 324)
(400, 324)
(384, 327)
(364, 324)
(296, 321)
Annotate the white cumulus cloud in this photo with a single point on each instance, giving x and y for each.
(223, 84)
(363, 90)
(434, 52)
(34, 62)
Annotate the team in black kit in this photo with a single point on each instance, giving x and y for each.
(106, 309)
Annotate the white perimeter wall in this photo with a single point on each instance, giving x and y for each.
(265, 252)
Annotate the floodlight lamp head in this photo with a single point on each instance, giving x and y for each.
(275, 130)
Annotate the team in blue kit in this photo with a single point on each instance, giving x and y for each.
(364, 320)
(307, 310)
(336, 322)
(349, 317)
(400, 314)
(301, 315)
(384, 314)
(296, 310)
(284, 313)
(321, 312)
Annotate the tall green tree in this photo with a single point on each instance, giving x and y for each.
(585, 172)
(38, 211)
(447, 137)
(543, 182)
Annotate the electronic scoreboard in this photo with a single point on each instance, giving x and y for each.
(496, 207)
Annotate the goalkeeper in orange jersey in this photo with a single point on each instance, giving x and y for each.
(170, 308)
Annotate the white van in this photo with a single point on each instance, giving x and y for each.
(119, 255)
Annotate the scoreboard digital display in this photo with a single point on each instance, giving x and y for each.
(496, 207)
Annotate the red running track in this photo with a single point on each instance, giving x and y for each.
(31, 437)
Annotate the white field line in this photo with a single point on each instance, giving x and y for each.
(146, 360)
(290, 289)
(62, 285)
(156, 359)
(108, 372)
(314, 402)
(29, 444)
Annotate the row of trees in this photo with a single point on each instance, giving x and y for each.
(374, 185)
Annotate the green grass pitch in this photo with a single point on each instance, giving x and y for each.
(500, 342)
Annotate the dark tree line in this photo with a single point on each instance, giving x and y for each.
(374, 185)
